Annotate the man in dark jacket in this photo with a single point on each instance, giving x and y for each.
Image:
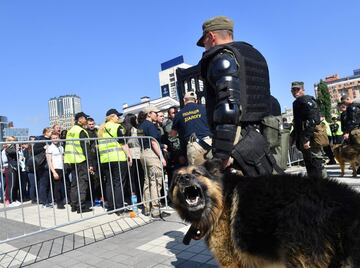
(306, 117)
(12, 182)
(40, 168)
(94, 176)
(352, 118)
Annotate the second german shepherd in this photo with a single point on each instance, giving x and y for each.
(347, 153)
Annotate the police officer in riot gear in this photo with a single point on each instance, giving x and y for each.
(306, 117)
(237, 85)
(351, 117)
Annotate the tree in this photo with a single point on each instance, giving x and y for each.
(324, 100)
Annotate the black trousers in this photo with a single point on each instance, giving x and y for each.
(329, 153)
(57, 187)
(137, 178)
(313, 162)
(117, 176)
(79, 184)
(12, 185)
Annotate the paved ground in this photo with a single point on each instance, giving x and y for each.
(150, 243)
(107, 241)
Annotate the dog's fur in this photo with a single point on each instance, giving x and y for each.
(347, 153)
(269, 221)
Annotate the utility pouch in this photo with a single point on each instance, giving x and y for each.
(252, 154)
(320, 137)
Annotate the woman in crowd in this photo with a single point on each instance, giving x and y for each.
(114, 158)
(136, 171)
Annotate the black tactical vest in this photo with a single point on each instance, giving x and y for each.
(254, 79)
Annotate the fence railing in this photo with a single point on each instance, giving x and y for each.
(42, 188)
(294, 156)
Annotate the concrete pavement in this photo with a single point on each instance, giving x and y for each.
(113, 241)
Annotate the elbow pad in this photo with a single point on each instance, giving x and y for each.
(223, 140)
(227, 113)
(224, 78)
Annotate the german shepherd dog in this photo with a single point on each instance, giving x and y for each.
(269, 221)
(347, 153)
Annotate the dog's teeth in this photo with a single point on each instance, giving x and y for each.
(192, 202)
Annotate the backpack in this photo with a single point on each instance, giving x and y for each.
(320, 135)
(271, 129)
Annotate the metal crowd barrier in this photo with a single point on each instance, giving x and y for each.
(294, 156)
(24, 217)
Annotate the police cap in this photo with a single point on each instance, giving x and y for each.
(297, 84)
(81, 114)
(113, 111)
(151, 108)
(215, 24)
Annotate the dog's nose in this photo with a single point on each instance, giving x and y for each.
(185, 177)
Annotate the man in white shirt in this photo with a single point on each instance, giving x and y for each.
(55, 158)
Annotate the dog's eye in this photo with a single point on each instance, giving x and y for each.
(197, 172)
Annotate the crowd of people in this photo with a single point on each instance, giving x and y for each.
(85, 165)
(90, 165)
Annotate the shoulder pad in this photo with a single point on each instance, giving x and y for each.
(223, 63)
(245, 43)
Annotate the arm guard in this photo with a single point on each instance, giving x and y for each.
(312, 119)
(223, 76)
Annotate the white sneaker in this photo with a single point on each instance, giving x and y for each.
(14, 204)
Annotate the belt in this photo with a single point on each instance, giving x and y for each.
(201, 142)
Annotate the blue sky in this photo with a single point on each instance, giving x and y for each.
(109, 52)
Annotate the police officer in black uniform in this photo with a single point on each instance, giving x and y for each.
(237, 86)
(192, 126)
(306, 117)
(351, 117)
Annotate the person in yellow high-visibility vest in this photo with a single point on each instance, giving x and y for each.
(327, 149)
(78, 158)
(115, 159)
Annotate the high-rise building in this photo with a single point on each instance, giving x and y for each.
(3, 125)
(63, 109)
(167, 77)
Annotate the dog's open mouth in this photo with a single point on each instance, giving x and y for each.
(193, 195)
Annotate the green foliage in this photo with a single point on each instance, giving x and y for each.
(324, 100)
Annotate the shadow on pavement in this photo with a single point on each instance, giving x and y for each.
(196, 254)
(36, 252)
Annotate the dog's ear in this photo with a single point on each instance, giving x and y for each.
(214, 167)
(173, 180)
